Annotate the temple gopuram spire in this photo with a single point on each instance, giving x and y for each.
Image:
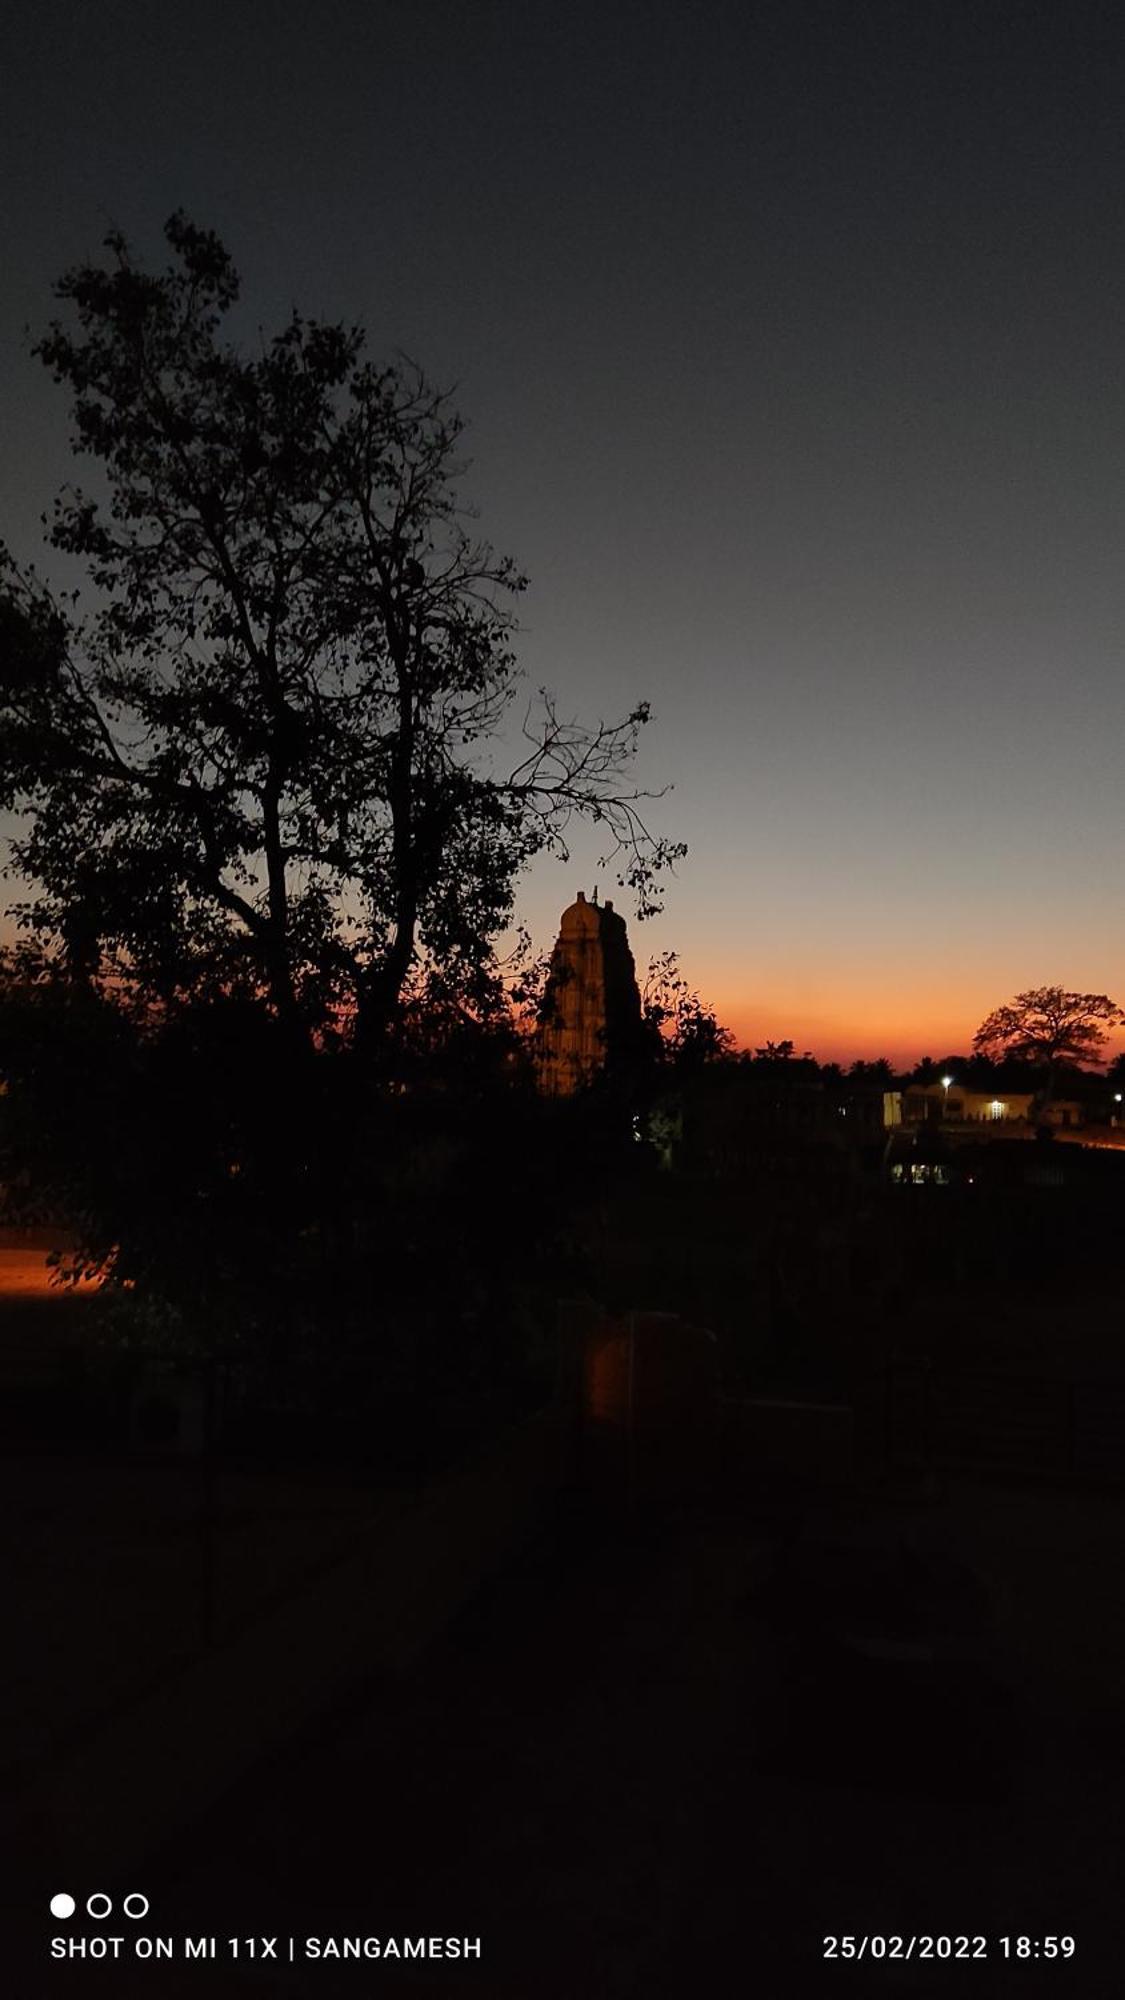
(592, 1008)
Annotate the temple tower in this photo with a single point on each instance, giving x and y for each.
(592, 1009)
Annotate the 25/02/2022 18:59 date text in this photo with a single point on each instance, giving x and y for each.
(946, 1945)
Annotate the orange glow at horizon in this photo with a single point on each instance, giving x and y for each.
(26, 1273)
(811, 924)
(844, 1025)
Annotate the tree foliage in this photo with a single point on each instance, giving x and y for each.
(269, 760)
(682, 1028)
(1049, 1027)
(877, 1070)
(332, 1239)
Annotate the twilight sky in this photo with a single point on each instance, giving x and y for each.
(791, 336)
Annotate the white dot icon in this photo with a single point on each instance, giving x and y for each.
(130, 1905)
(105, 1904)
(62, 1906)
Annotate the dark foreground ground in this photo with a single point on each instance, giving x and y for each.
(672, 1757)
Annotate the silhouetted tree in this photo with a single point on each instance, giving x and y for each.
(327, 1245)
(1115, 1075)
(267, 761)
(681, 1026)
(782, 1058)
(877, 1071)
(1051, 1029)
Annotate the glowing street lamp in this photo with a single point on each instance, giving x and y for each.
(945, 1083)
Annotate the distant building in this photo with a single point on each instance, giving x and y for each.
(953, 1104)
(925, 1103)
(592, 1008)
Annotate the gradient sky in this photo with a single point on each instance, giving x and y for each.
(791, 338)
